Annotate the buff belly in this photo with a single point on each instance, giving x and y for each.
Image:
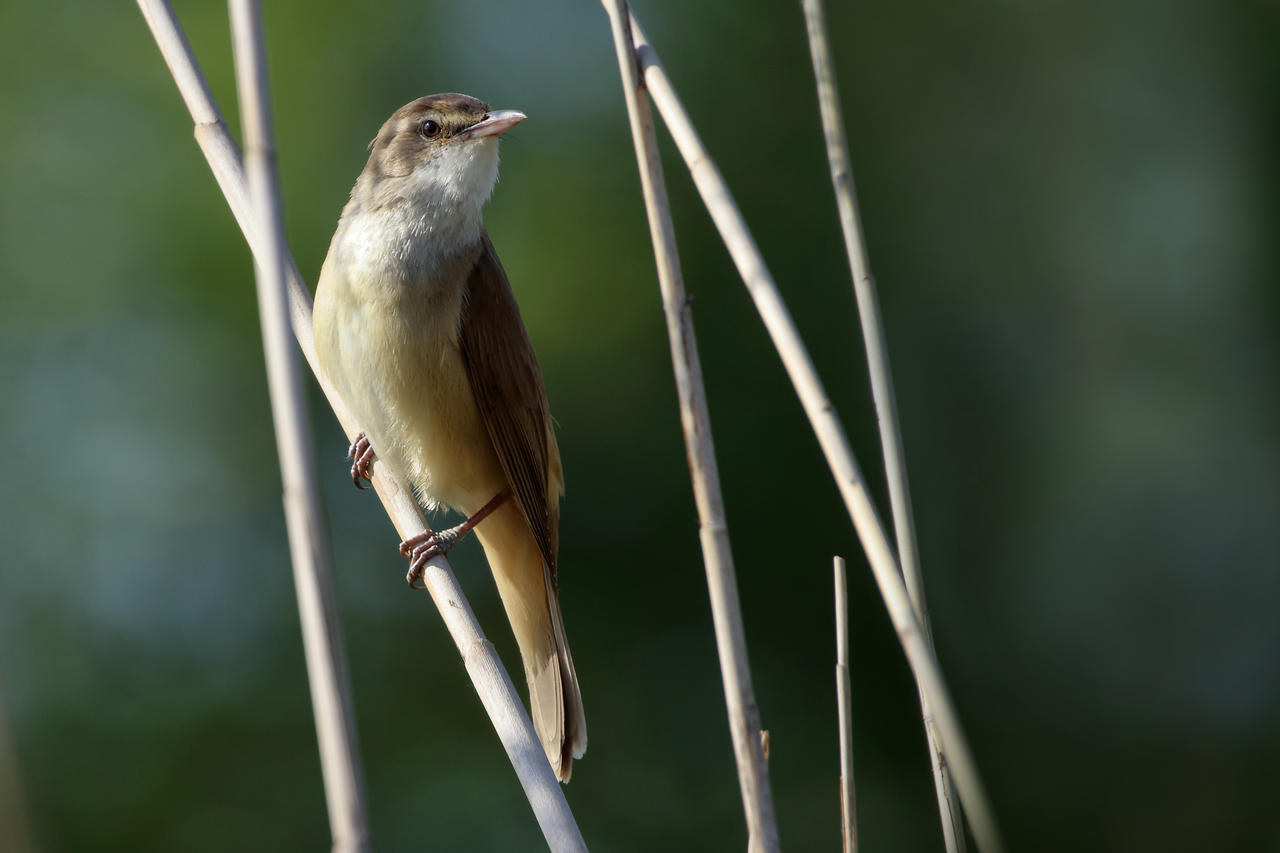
(396, 363)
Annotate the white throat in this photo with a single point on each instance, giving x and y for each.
(409, 228)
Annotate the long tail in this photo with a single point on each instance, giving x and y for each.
(524, 584)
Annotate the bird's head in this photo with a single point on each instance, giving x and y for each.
(441, 150)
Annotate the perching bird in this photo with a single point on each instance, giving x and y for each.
(418, 330)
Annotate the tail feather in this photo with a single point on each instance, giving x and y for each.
(529, 596)
(565, 697)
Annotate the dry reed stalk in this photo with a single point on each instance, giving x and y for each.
(722, 585)
(312, 570)
(895, 465)
(844, 710)
(830, 433)
(490, 679)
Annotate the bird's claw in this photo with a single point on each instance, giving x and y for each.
(362, 453)
(423, 548)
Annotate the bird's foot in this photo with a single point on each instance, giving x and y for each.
(421, 549)
(362, 453)
(424, 547)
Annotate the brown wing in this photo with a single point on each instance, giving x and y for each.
(507, 385)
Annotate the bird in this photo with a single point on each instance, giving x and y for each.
(418, 330)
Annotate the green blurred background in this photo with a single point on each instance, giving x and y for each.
(1072, 213)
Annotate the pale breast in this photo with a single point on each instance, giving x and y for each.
(392, 352)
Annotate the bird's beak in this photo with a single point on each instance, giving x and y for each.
(496, 122)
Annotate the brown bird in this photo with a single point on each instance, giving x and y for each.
(418, 330)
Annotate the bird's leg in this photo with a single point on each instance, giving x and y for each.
(421, 548)
(362, 453)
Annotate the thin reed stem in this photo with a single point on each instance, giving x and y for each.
(490, 679)
(312, 571)
(844, 710)
(895, 465)
(830, 433)
(722, 584)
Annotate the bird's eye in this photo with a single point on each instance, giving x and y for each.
(430, 129)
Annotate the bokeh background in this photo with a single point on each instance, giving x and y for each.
(1072, 212)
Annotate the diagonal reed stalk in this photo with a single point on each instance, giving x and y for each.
(490, 679)
(726, 611)
(312, 569)
(895, 465)
(830, 433)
